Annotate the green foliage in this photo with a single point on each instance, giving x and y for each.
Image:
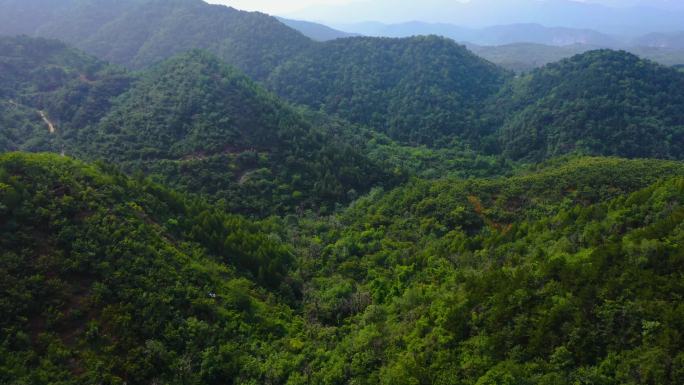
(46, 77)
(566, 275)
(193, 121)
(599, 103)
(109, 280)
(476, 271)
(416, 90)
(138, 33)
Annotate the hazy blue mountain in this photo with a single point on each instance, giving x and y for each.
(493, 35)
(523, 57)
(634, 20)
(315, 31)
(662, 40)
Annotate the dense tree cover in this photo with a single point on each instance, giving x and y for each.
(195, 122)
(567, 274)
(205, 128)
(422, 90)
(108, 280)
(568, 271)
(137, 33)
(417, 90)
(601, 102)
(45, 78)
(561, 276)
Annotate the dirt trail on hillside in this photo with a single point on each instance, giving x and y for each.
(47, 121)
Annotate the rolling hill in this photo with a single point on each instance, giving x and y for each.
(138, 33)
(571, 271)
(601, 102)
(193, 121)
(419, 90)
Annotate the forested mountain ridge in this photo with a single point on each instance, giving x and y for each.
(43, 83)
(600, 103)
(106, 279)
(208, 129)
(477, 248)
(138, 33)
(196, 123)
(420, 90)
(561, 274)
(568, 274)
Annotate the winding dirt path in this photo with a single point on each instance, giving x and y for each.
(47, 121)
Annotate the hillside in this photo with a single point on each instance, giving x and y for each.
(568, 274)
(44, 83)
(207, 129)
(193, 121)
(315, 31)
(571, 271)
(421, 90)
(601, 102)
(525, 57)
(109, 280)
(138, 33)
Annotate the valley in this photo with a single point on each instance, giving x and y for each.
(196, 195)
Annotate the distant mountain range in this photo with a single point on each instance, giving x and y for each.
(493, 35)
(517, 47)
(633, 20)
(316, 31)
(523, 57)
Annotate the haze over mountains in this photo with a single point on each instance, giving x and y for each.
(630, 20)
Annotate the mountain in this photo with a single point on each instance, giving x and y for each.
(210, 130)
(47, 87)
(110, 279)
(573, 268)
(662, 40)
(491, 35)
(601, 102)
(524, 57)
(417, 90)
(193, 121)
(523, 47)
(138, 33)
(315, 31)
(567, 274)
(629, 20)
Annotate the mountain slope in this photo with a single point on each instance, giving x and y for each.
(46, 86)
(193, 121)
(571, 272)
(106, 280)
(525, 57)
(567, 274)
(315, 31)
(137, 33)
(490, 35)
(207, 129)
(601, 102)
(417, 90)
